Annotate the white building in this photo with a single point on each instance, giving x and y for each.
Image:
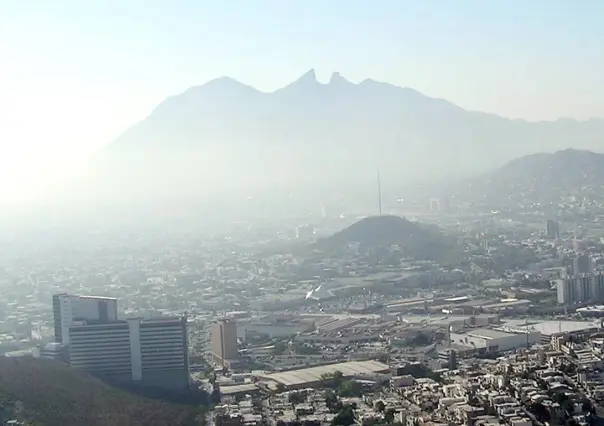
(68, 308)
(495, 340)
(581, 288)
(149, 352)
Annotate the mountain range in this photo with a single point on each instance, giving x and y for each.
(227, 135)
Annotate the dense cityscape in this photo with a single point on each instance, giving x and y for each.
(325, 319)
(301, 213)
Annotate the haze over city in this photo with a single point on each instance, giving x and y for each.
(301, 213)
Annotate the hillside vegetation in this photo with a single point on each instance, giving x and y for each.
(46, 393)
(375, 232)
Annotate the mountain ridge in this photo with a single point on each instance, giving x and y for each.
(226, 134)
(541, 176)
(336, 77)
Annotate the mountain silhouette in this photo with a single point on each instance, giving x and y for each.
(543, 176)
(226, 134)
(385, 231)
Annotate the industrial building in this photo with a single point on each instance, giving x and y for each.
(273, 326)
(553, 329)
(459, 305)
(151, 352)
(495, 339)
(68, 308)
(306, 377)
(592, 311)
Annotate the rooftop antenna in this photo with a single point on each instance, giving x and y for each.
(379, 192)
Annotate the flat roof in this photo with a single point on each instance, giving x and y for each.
(442, 319)
(96, 297)
(313, 374)
(554, 327)
(507, 302)
(230, 390)
(456, 299)
(487, 333)
(596, 308)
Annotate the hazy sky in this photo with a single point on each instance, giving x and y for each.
(75, 73)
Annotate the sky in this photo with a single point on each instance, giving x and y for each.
(75, 74)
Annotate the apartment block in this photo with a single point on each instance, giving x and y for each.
(147, 352)
(68, 308)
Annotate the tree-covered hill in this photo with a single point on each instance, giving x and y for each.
(45, 393)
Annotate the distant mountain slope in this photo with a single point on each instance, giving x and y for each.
(375, 232)
(225, 134)
(543, 176)
(50, 394)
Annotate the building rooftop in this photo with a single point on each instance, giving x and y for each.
(487, 333)
(313, 374)
(86, 297)
(554, 327)
(97, 297)
(596, 308)
(235, 389)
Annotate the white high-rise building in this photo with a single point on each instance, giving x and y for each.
(565, 291)
(586, 288)
(68, 308)
(150, 352)
(224, 341)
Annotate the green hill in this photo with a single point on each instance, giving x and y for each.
(415, 241)
(46, 393)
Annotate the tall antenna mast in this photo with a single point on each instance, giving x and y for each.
(379, 192)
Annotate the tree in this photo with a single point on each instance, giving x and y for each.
(560, 397)
(344, 418)
(380, 406)
(540, 411)
(569, 407)
(280, 387)
(296, 398)
(350, 388)
(389, 415)
(332, 401)
(216, 396)
(279, 348)
(588, 407)
(332, 380)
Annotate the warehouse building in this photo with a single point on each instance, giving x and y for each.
(553, 329)
(307, 377)
(495, 339)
